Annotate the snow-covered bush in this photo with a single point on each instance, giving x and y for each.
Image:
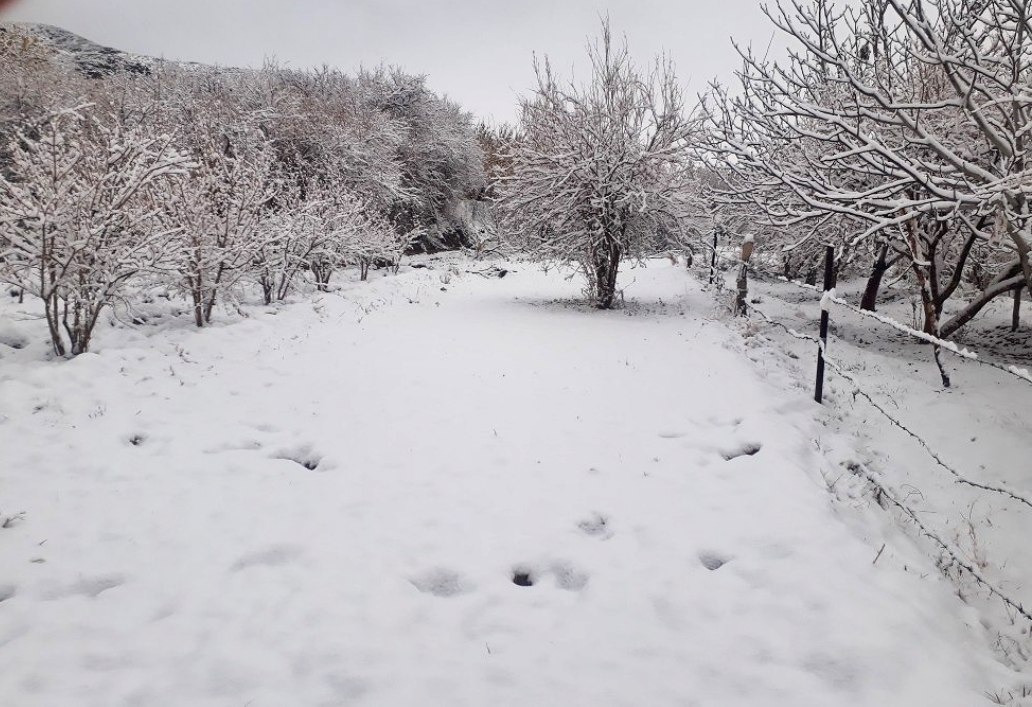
(218, 212)
(209, 181)
(79, 215)
(356, 236)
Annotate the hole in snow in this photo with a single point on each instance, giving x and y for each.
(137, 439)
(742, 450)
(522, 577)
(712, 561)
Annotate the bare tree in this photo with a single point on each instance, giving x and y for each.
(219, 211)
(597, 170)
(241, 177)
(78, 216)
(903, 122)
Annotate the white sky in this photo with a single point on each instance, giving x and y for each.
(477, 52)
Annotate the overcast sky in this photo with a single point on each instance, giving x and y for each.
(479, 52)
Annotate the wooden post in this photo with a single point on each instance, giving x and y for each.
(743, 277)
(1016, 313)
(829, 284)
(713, 260)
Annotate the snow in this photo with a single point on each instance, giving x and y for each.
(337, 501)
(826, 299)
(977, 431)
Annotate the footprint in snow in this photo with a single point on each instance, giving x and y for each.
(713, 561)
(566, 575)
(725, 422)
(441, 582)
(302, 455)
(597, 526)
(275, 556)
(90, 587)
(741, 450)
(569, 577)
(242, 445)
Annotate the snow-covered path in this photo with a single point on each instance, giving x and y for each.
(663, 500)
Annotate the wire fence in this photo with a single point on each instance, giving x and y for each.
(828, 300)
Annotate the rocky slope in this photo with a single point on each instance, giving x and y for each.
(80, 54)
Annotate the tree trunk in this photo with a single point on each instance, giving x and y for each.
(931, 318)
(286, 280)
(322, 274)
(607, 266)
(209, 306)
(82, 331)
(974, 307)
(870, 298)
(928, 301)
(53, 324)
(1016, 314)
(198, 306)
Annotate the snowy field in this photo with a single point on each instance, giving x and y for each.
(447, 489)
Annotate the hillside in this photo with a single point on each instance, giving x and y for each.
(77, 53)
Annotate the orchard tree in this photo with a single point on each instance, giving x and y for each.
(295, 233)
(599, 170)
(355, 235)
(218, 212)
(904, 123)
(440, 157)
(78, 216)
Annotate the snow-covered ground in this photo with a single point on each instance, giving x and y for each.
(327, 503)
(980, 427)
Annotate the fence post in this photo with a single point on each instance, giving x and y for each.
(829, 284)
(1016, 312)
(743, 277)
(713, 259)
